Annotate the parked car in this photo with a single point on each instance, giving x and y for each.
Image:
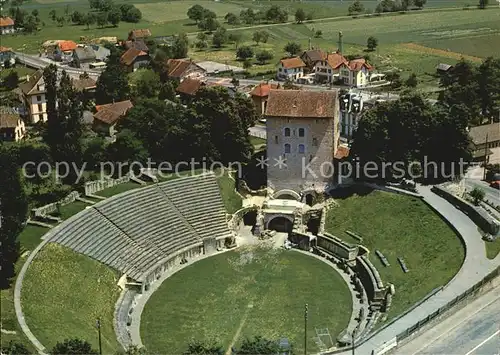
(495, 185)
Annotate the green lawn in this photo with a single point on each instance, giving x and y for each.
(64, 293)
(21, 71)
(232, 200)
(71, 209)
(257, 142)
(29, 238)
(111, 191)
(492, 248)
(261, 291)
(401, 226)
(481, 45)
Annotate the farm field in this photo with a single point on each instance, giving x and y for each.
(400, 226)
(260, 290)
(481, 45)
(64, 293)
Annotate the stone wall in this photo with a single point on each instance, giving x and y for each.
(92, 187)
(338, 247)
(52, 207)
(486, 222)
(371, 280)
(236, 218)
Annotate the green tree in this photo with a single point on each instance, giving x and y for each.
(94, 153)
(105, 5)
(219, 37)
(356, 8)
(53, 14)
(248, 16)
(232, 19)
(127, 148)
(11, 80)
(477, 195)
(180, 46)
(167, 91)
(318, 34)
(89, 19)
(146, 83)
(209, 24)
(35, 13)
(244, 52)
(260, 36)
(201, 45)
(412, 81)
(130, 13)
(405, 4)
(300, 15)
(102, 19)
(73, 347)
(78, 18)
(196, 347)
(235, 38)
(133, 350)
(264, 56)
(195, 13)
(247, 64)
(419, 3)
(94, 4)
(114, 16)
(14, 348)
(371, 43)
(276, 14)
(112, 84)
(292, 48)
(201, 36)
(13, 210)
(394, 78)
(489, 88)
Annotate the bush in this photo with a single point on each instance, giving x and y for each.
(244, 52)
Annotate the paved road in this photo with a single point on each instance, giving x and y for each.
(40, 63)
(477, 335)
(491, 194)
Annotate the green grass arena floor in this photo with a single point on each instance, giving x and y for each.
(243, 293)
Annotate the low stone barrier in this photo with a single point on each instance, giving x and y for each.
(245, 190)
(91, 187)
(337, 246)
(237, 216)
(43, 211)
(371, 279)
(486, 222)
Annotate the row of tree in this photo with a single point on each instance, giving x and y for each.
(357, 7)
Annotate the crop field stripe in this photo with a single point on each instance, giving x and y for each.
(418, 48)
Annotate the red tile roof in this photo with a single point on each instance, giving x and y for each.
(110, 113)
(189, 86)
(140, 33)
(262, 90)
(357, 64)
(67, 45)
(177, 67)
(290, 63)
(83, 84)
(335, 60)
(302, 103)
(130, 56)
(6, 21)
(342, 152)
(314, 55)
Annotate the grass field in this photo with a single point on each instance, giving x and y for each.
(401, 226)
(71, 209)
(64, 293)
(262, 292)
(231, 200)
(29, 238)
(482, 45)
(117, 189)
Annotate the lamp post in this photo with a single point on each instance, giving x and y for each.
(305, 330)
(98, 326)
(353, 334)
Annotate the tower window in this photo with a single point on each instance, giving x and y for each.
(315, 141)
(287, 132)
(302, 149)
(301, 132)
(276, 139)
(288, 148)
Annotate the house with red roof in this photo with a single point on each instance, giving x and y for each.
(260, 95)
(336, 68)
(134, 59)
(180, 69)
(108, 115)
(290, 69)
(6, 25)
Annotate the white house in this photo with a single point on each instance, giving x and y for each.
(336, 68)
(328, 70)
(356, 73)
(33, 91)
(6, 25)
(290, 69)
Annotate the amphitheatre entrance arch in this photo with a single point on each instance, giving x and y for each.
(280, 223)
(309, 199)
(286, 195)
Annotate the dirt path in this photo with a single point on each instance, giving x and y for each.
(439, 52)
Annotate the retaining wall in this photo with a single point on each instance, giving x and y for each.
(91, 187)
(52, 207)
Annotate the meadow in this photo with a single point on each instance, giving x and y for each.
(399, 226)
(255, 291)
(64, 293)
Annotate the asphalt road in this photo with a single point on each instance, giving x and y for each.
(491, 194)
(478, 335)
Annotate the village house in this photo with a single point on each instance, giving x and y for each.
(60, 50)
(137, 44)
(139, 34)
(6, 55)
(82, 57)
(290, 69)
(356, 73)
(134, 59)
(6, 25)
(101, 53)
(328, 69)
(485, 140)
(188, 88)
(12, 127)
(33, 94)
(180, 69)
(260, 95)
(312, 56)
(337, 69)
(108, 115)
(302, 131)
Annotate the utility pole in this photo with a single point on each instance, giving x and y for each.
(98, 325)
(305, 330)
(353, 334)
(485, 157)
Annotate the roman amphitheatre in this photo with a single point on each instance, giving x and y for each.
(166, 263)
